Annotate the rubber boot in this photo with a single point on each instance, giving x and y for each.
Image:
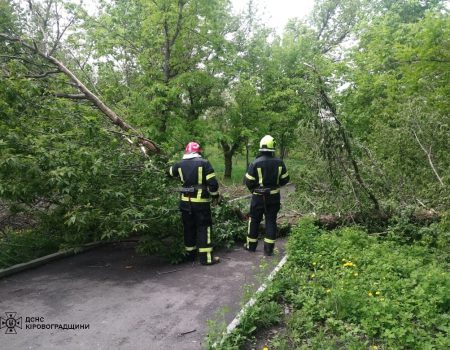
(190, 256)
(268, 249)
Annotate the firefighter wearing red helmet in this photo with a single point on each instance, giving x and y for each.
(199, 187)
(264, 177)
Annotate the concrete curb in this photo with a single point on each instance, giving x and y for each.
(45, 259)
(237, 320)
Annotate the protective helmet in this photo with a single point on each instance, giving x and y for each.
(267, 144)
(192, 147)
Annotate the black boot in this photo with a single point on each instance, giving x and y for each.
(190, 256)
(268, 249)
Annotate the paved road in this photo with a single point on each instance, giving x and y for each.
(129, 301)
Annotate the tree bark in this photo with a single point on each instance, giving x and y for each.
(228, 165)
(228, 153)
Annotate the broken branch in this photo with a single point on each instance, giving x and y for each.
(144, 143)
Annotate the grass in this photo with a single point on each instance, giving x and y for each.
(347, 289)
(216, 158)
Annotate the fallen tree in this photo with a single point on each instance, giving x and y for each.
(146, 145)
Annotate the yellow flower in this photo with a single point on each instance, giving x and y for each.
(313, 275)
(314, 263)
(377, 293)
(382, 299)
(328, 290)
(265, 348)
(349, 263)
(355, 274)
(370, 294)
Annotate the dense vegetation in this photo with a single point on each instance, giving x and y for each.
(96, 101)
(346, 289)
(356, 96)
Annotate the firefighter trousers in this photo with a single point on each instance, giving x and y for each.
(258, 209)
(197, 234)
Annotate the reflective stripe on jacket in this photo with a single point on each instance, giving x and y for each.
(266, 171)
(196, 172)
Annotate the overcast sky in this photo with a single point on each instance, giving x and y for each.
(277, 12)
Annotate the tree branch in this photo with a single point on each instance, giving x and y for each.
(326, 100)
(181, 4)
(71, 96)
(112, 116)
(430, 160)
(43, 75)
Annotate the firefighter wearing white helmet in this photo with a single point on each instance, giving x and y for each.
(264, 177)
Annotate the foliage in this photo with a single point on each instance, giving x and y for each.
(398, 110)
(67, 170)
(20, 246)
(158, 62)
(227, 228)
(383, 91)
(356, 96)
(349, 289)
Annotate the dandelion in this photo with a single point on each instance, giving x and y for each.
(349, 263)
(370, 294)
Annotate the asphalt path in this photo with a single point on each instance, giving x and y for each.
(126, 301)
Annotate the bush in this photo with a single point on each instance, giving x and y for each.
(20, 246)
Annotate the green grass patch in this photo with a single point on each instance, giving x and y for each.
(347, 289)
(216, 158)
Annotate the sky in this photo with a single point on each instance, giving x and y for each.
(277, 12)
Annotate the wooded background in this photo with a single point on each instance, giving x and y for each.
(95, 104)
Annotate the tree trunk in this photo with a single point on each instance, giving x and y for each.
(228, 153)
(228, 164)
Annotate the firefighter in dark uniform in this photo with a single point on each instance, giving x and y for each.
(265, 175)
(199, 186)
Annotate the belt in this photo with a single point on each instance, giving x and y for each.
(190, 189)
(264, 191)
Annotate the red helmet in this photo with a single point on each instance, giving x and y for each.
(192, 147)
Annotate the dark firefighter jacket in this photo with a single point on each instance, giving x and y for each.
(197, 176)
(268, 173)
